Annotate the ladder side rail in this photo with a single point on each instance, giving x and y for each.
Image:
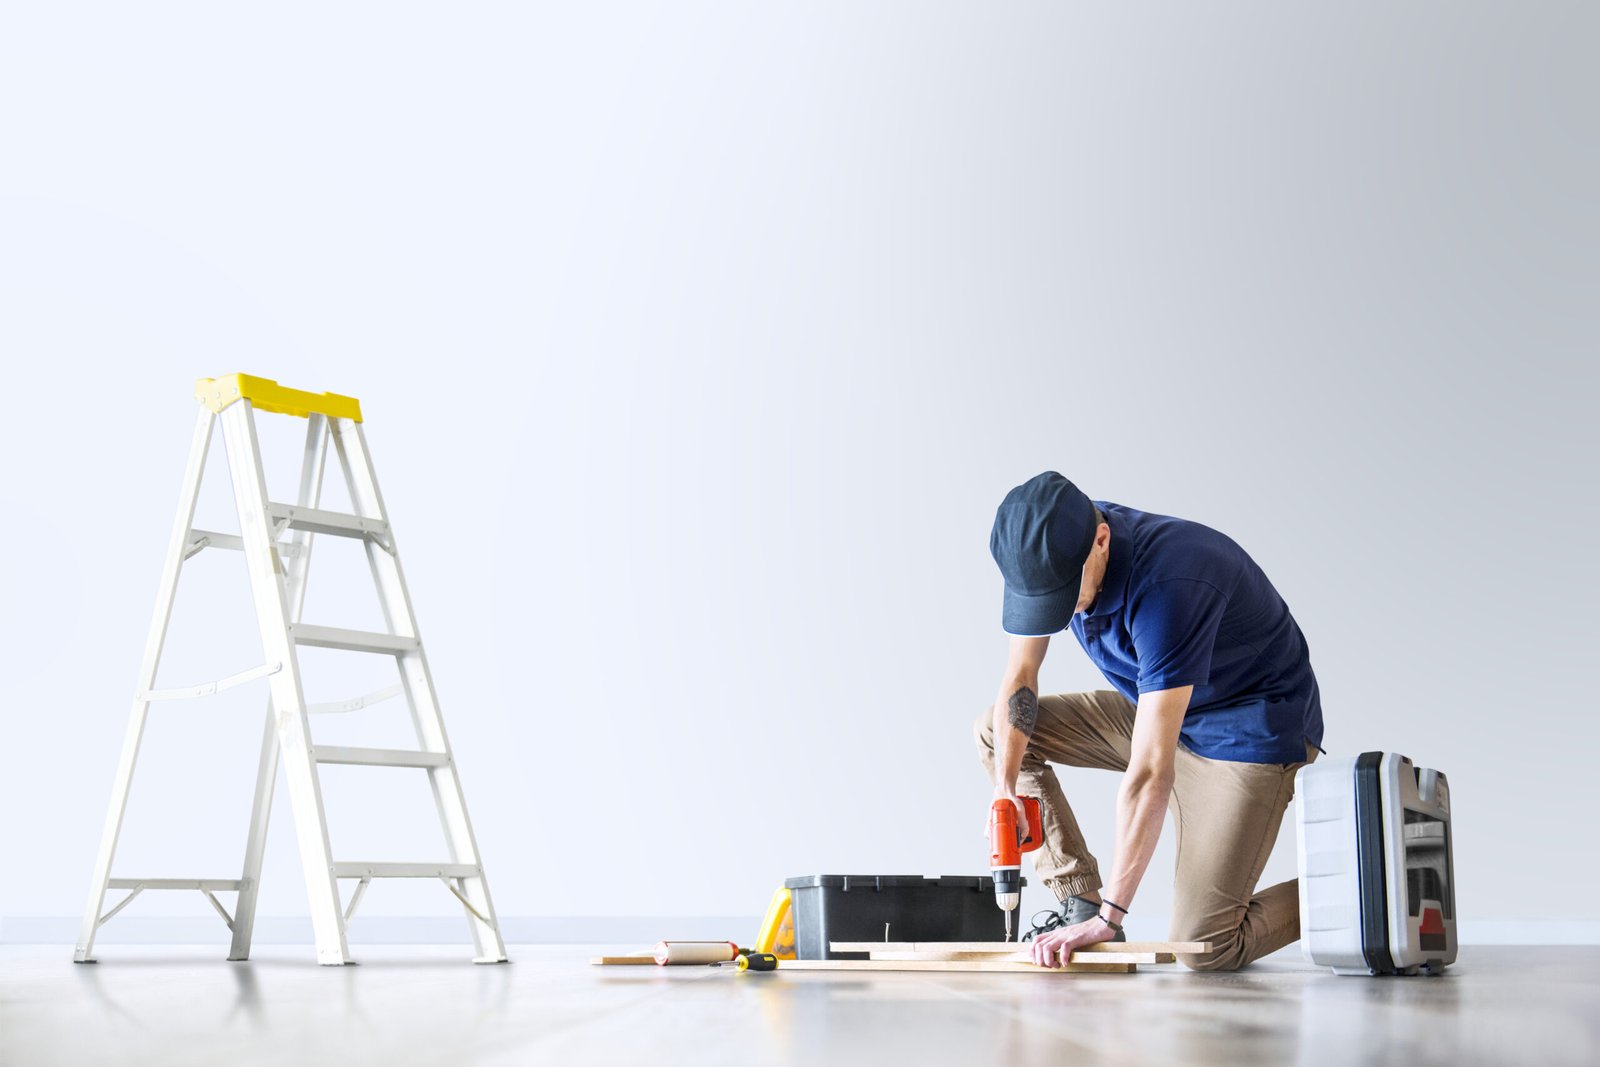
(299, 565)
(288, 698)
(449, 797)
(177, 547)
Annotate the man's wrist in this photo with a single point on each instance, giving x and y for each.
(1111, 908)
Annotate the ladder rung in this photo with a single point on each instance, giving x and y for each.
(378, 757)
(214, 885)
(338, 523)
(350, 640)
(406, 870)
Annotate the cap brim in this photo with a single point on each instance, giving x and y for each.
(1043, 615)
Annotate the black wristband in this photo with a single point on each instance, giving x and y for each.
(1114, 904)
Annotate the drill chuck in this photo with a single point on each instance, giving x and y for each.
(1007, 887)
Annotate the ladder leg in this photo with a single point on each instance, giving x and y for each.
(288, 697)
(83, 952)
(244, 914)
(351, 444)
(266, 776)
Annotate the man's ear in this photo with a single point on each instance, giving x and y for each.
(1102, 536)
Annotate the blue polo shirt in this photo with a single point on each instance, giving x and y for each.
(1182, 604)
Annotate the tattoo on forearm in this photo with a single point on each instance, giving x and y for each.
(1024, 708)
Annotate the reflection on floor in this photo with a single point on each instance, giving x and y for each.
(410, 1004)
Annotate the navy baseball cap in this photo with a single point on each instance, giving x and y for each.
(1043, 531)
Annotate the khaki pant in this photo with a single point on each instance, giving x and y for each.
(1226, 813)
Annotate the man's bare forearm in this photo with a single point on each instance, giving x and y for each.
(1146, 790)
(1141, 806)
(1016, 713)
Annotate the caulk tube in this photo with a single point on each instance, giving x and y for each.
(679, 952)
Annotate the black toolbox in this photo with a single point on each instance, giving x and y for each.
(890, 907)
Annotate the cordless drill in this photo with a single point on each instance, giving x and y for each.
(1007, 843)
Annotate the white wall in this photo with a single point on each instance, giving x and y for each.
(698, 343)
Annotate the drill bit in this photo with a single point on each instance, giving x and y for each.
(1008, 926)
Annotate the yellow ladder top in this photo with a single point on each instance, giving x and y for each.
(267, 395)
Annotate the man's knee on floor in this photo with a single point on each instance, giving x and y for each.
(1227, 952)
(1220, 958)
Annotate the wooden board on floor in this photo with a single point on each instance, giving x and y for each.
(1013, 946)
(1023, 957)
(615, 961)
(1003, 966)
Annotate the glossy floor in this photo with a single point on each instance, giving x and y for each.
(410, 1004)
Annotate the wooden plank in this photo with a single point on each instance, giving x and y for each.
(621, 961)
(1013, 946)
(1023, 957)
(1002, 966)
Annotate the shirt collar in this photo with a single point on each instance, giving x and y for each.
(1114, 587)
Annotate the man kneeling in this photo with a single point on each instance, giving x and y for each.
(1214, 705)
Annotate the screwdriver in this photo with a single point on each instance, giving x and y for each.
(752, 961)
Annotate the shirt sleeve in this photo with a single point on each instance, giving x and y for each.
(1174, 627)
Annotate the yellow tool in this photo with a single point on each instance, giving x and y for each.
(752, 961)
(776, 935)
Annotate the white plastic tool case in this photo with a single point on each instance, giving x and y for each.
(1377, 886)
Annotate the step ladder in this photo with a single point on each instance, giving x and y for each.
(276, 540)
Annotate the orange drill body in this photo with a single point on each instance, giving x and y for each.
(1007, 842)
